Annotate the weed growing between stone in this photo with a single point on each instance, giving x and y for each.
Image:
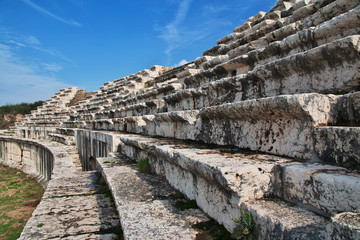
(143, 165)
(19, 196)
(245, 226)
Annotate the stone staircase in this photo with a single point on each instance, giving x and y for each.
(48, 116)
(267, 121)
(73, 206)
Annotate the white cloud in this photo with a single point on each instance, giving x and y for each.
(52, 67)
(47, 13)
(21, 82)
(182, 62)
(170, 33)
(32, 40)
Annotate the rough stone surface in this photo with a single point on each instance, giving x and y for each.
(346, 226)
(285, 83)
(338, 145)
(144, 203)
(71, 206)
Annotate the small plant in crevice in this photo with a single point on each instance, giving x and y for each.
(245, 226)
(143, 165)
(40, 225)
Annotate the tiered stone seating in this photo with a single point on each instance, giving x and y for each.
(50, 115)
(97, 111)
(267, 121)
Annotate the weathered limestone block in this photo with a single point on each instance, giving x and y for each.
(349, 110)
(329, 11)
(280, 220)
(346, 226)
(222, 184)
(325, 189)
(203, 78)
(342, 25)
(139, 199)
(329, 68)
(283, 124)
(338, 145)
(243, 27)
(215, 61)
(177, 124)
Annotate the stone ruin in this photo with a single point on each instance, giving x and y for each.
(267, 121)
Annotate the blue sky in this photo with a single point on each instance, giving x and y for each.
(46, 45)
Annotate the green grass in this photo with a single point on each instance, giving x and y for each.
(143, 165)
(19, 196)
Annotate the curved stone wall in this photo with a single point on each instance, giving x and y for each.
(32, 157)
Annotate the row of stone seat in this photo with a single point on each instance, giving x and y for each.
(287, 198)
(195, 85)
(53, 111)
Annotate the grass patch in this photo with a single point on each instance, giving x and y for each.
(19, 196)
(143, 165)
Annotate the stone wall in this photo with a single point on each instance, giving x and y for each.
(92, 145)
(30, 157)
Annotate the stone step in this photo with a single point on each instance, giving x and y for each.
(276, 219)
(338, 145)
(73, 205)
(223, 180)
(267, 124)
(144, 203)
(279, 76)
(309, 15)
(341, 26)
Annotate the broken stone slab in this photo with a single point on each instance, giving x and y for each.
(338, 145)
(279, 220)
(141, 201)
(324, 189)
